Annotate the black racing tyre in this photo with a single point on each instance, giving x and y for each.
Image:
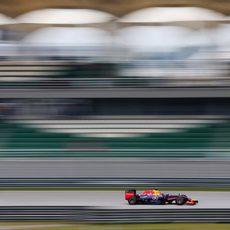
(181, 200)
(133, 200)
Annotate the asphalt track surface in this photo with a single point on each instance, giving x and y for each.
(114, 167)
(105, 199)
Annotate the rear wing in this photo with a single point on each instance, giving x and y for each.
(130, 193)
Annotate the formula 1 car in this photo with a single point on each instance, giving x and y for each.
(156, 197)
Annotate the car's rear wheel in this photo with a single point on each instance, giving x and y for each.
(132, 200)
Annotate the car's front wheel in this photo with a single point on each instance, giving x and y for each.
(181, 200)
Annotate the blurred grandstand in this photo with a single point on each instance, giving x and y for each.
(84, 49)
(115, 128)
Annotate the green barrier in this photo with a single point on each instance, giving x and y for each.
(212, 140)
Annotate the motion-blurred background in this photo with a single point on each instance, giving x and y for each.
(101, 89)
(112, 95)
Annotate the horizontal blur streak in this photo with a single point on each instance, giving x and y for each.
(89, 169)
(134, 73)
(133, 214)
(94, 128)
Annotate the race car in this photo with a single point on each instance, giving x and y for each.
(154, 196)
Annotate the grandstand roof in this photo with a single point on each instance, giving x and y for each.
(14, 8)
